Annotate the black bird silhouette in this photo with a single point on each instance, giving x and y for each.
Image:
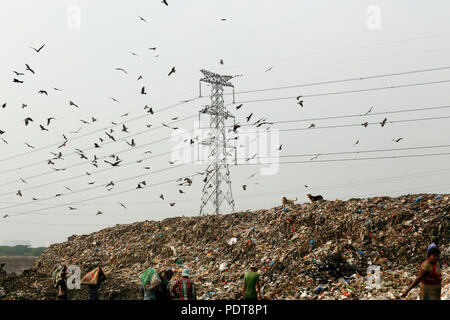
(221, 61)
(124, 128)
(172, 71)
(114, 99)
(140, 77)
(132, 144)
(398, 140)
(2, 132)
(143, 90)
(50, 119)
(250, 115)
(244, 186)
(29, 145)
(115, 164)
(165, 2)
(161, 196)
(18, 73)
(43, 128)
(239, 106)
(38, 50)
(27, 120)
(72, 208)
(142, 19)
(279, 148)
(63, 145)
(96, 145)
(56, 89)
(43, 92)
(235, 127)
(29, 69)
(365, 124)
(383, 122)
(73, 104)
(269, 69)
(19, 193)
(110, 136)
(17, 81)
(172, 204)
(153, 48)
(121, 69)
(122, 205)
(4, 105)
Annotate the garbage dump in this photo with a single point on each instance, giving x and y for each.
(356, 249)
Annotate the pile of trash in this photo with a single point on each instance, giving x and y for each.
(355, 249)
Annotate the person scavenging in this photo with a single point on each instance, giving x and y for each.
(252, 287)
(429, 277)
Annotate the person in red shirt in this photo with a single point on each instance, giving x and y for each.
(429, 276)
(184, 288)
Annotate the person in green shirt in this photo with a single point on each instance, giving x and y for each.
(251, 284)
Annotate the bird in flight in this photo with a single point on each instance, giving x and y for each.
(300, 102)
(132, 144)
(124, 128)
(356, 143)
(27, 120)
(18, 73)
(43, 92)
(122, 205)
(161, 196)
(315, 157)
(98, 212)
(142, 19)
(43, 128)
(17, 80)
(172, 71)
(383, 122)
(72, 208)
(249, 116)
(114, 99)
(172, 204)
(134, 54)
(165, 2)
(153, 48)
(143, 90)
(115, 164)
(50, 119)
(269, 69)
(29, 145)
(279, 148)
(239, 106)
(312, 125)
(121, 69)
(29, 69)
(397, 140)
(19, 193)
(365, 114)
(71, 103)
(38, 50)
(244, 186)
(365, 124)
(221, 61)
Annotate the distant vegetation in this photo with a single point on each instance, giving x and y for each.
(21, 251)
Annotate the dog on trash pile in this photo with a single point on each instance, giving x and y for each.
(314, 198)
(285, 201)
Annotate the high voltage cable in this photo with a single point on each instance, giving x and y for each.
(99, 186)
(280, 130)
(97, 131)
(344, 92)
(290, 162)
(106, 143)
(341, 80)
(353, 159)
(98, 197)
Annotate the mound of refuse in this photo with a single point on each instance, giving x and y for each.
(355, 249)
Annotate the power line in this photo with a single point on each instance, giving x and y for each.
(344, 92)
(359, 124)
(97, 131)
(96, 187)
(342, 80)
(99, 197)
(109, 142)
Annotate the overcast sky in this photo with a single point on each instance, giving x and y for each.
(271, 44)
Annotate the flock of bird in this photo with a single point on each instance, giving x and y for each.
(114, 160)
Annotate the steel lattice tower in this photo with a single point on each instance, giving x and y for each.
(217, 188)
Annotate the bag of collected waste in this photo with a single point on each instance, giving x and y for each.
(57, 276)
(94, 277)
(150, 279)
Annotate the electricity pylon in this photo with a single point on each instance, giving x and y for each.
(217, 188)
